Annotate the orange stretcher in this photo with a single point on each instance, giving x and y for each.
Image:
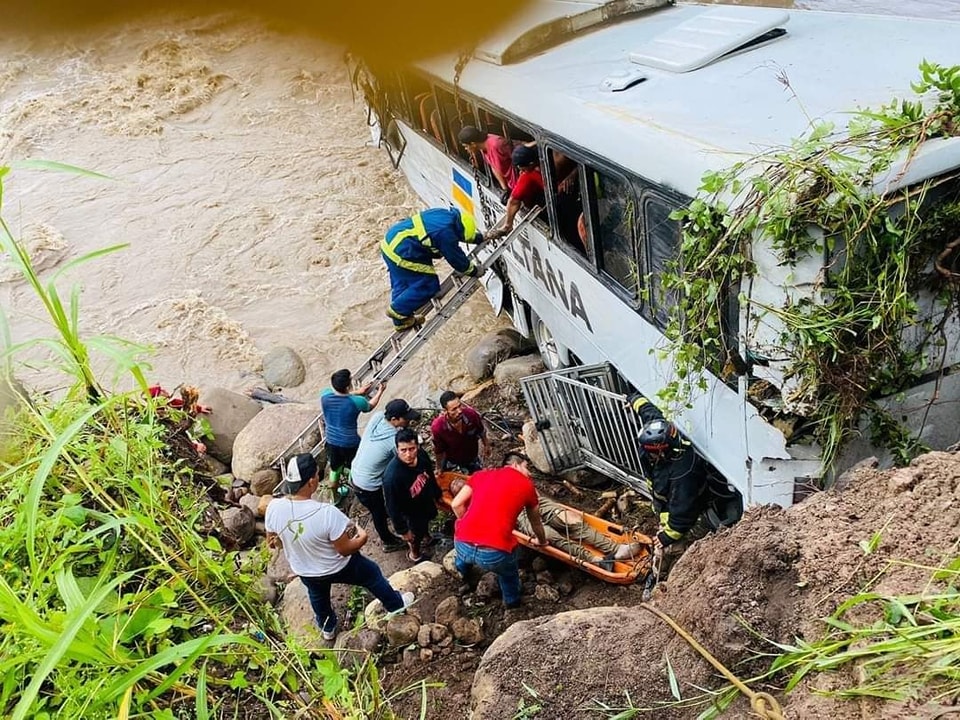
(623, 572)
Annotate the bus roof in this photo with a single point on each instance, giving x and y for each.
(673, 126)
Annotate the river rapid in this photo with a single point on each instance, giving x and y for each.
(241, 177)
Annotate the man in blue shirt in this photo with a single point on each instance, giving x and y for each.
(341, 408)
(409, 249)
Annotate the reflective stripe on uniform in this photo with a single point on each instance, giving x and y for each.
(666, 529)
(388, 246)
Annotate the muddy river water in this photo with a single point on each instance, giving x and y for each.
(241, 179)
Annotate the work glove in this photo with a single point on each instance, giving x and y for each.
(472, 271)
(505, 196)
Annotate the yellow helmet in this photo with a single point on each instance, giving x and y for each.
(469, 226)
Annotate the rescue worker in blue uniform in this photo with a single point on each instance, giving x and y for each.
(409, 249)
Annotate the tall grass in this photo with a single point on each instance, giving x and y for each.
(116, 598)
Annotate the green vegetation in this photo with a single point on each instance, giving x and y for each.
(844, 341)
(116, 597)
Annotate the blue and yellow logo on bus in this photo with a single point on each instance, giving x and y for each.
(462, 191)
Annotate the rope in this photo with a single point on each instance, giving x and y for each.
(763, 704)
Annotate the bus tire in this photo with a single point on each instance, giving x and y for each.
(554, 355)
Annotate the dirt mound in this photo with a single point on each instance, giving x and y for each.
(771, 578)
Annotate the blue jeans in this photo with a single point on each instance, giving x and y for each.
(503, 564)
(358, 571)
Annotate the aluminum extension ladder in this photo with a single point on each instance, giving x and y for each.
(388, 359)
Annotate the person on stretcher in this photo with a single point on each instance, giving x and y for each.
(566, 531)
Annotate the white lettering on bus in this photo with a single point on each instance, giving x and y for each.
(551, 280)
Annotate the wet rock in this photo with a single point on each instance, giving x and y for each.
(509, 373)
(251, 503)
(231, 413)
(402, 630)
(586, 478)
(267, 589)
(546, 593)
(423, 635)
(438, 632)
(282, 367)
(492, 349)
(268, 434)
(13, 398)
(296, 612)
(355, 646)
(488, 586)
(539, 564)
(447, 611)
(211, 466)
(467, 631)
(421, 579)
(533, 447)
(239, 523)
(544, 577)
(278, 569)
(264, 482)
(426, 654)
(449, 563)
(565, 585)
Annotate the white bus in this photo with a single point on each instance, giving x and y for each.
(645, 100)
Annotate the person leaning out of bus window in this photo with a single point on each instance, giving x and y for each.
(496, 151)
(528, 192)
(409, 249)
(677, 479)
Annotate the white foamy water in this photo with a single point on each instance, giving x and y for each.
(242, 178)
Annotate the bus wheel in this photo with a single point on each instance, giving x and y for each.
(553, 354)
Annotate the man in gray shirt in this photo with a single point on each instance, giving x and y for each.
(377, 449)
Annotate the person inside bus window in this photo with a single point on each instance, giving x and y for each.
(409, 249)
(497, 153)
(569, 201)
(528, 191)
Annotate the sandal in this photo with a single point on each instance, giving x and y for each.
(415, 558)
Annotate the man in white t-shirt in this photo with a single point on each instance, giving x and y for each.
(323, 545)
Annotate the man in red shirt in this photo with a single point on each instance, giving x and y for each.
(458, 435)
(487, 509)
(528, 190)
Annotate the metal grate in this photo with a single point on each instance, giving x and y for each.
(583, 420)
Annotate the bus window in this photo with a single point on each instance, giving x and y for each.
(424, 116)
(663, 243)
(564, 179)
(613, 220)
(456, 112)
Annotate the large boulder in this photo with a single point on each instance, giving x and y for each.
(611, 643)
(230, 414)
(511, 371)
(421, 579)
(282, 367)
(533, 447)
(297, 613)
(493, 348)
(269, 433)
